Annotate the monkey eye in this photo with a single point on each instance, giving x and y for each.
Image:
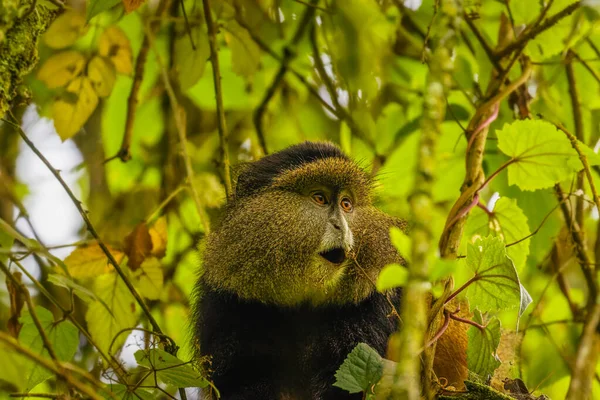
(346, 204)
(319, 198)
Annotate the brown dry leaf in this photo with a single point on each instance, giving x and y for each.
(158, 234)
(115, 45)
(61, 68)
(17, 300)
(132, 5)
(65, 30)
(138, 245)
(91, 262)
(74, 107)
(102, 74)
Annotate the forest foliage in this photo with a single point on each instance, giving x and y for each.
(479, 119)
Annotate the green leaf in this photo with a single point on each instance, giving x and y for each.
(148, 278)
(361, 370)
(481, 351)
(6, 243)
(392, 276)
(190, 62)
(496, 285)
(542, 156)
(245, 54)
(104, 324)
(63, 337)
(95, 7)
(80, 291)
(402, 242)
(125, 393)
(170, 369)
(508, 222)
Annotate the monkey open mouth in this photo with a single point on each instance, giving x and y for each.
(336, 255)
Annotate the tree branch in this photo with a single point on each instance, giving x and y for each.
(214, 59)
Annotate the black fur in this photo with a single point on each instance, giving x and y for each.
(260, 174)
(260, 351)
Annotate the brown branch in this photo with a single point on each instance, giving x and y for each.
(580, 248)
(132, 101)
(90, 228)
(59, 369)
(31, 307)
(180, 123)
(214, 59)
(529, 34)
(313, 91)
(289, 54)
(114, 363)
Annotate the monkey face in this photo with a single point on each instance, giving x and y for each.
(307, 234)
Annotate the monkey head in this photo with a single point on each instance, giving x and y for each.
(301, 228)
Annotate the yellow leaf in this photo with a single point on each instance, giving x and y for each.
(65, 30)
(158, 234)
(61, 68)
(148, 279)
(74, 107)
(102, 74)
(105, 325)
(115, 45)
(132, 5)
(90, 261)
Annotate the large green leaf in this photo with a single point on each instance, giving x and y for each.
(495, 285)
(483, 343)
(63, 337)
(506, 221)
(170, 369)
(126, 393)
(541, 155)
(361, 370)
(104, 324)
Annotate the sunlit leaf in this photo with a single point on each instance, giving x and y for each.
(80, 291)
(74, 107)
(169, 369)
(361, 370)
(104, 326)
(190, 62)
(508, 222)
(495, 285)
(102, 74)
(481, 351)
(91, 261)
(392, 276)
(148, 279)
(542, 156)
(245, 54)
(63, 338)
(402, 242)
(158, 236)
(95, 7)
(59, 69)
(65, 30)
(115, 45)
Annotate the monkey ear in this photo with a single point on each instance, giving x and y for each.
(374, 249)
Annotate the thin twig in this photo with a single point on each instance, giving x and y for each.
(289, 54)
(532, 33)
(90, 227)
(32, 312)
(214, 59)
(59, 369)
(180, 123)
